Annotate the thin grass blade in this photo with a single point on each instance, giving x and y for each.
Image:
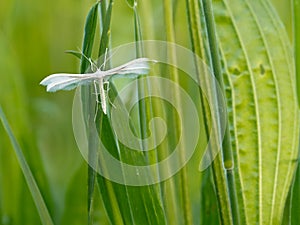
(89, 36)
(114, 196)
(198, 32)
(34, 189)
(74, 53)
(88, 102)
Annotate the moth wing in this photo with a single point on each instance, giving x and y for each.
(138, 66)
(63, 81)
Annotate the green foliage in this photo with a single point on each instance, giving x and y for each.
(34, 189)
(273, 156)
(243, 42)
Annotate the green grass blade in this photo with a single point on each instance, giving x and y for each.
(124, 204)
(143, 201)
(104, 41)
(74, 53)
(88, 101)
(208, 209)
(197, 32)
(114, 196)
(34, 189)
(89, 36)
(152, 193)
(217, 71)
(183, 180)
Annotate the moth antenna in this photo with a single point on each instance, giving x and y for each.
(102, 67)
(93, 65)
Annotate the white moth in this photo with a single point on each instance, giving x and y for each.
(67, 81)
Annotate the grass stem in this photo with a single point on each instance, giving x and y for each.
(228, 160)
(170, 33)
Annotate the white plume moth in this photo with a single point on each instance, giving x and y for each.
(67, 81)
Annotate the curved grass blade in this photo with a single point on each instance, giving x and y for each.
(114, 196)
(89, 36)
(75, 53)
(131, 3)
(88, 101)
(106, 20)
(32, 185)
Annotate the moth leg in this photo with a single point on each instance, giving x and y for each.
(96, 91)
(106, 94)
(97, 99)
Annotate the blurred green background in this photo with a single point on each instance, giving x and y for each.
(33, 37)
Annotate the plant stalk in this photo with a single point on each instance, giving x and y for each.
(196, 26)
(170, 33)
(228, 160)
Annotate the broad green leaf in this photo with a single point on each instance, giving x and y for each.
(33, 187)
(260, 81)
